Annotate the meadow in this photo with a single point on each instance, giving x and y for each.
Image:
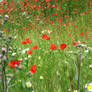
(46, 46)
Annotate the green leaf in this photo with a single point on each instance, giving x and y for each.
(23, 83)
(76, 76)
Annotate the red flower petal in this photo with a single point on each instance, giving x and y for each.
(74, 43)
(12, 63)
(28, 40)
(29, 52)
(35, 47)
(24, 42)
(47, 38)
(47, 1)
(33, 69)
(44, 36)
(52, 47)
(62, 46)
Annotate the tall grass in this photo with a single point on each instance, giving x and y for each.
(57, 67)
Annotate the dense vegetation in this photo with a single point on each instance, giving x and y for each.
(45, 45)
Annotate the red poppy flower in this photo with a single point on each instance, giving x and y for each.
(47, 38)
(35, 47)
(44, 36)
(47, 1)
(62, 46)
(33, 69)
(24, 42)
(29, 52)
(52, 47)
(28, 40)
(74, 43)
(12, 63)
(82, 34)
(91, 30)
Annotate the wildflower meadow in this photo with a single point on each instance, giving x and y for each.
(45, 45)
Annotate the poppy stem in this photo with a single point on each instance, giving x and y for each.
(4, 82)
(79, 68)
(27, 63)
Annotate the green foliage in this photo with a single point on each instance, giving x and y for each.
(58, 68)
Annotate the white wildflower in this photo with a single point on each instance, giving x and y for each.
(39, 57)
(42, 31)
(25, 58)
(28, 84)
(15, 37)
(23, 51)
(41, 77)
(6, 16)
(46, 51)
(58, 74)
(70, 52)
(69, 89)
(90, 87)
(86, 51)
(13, 54)
(49, 31)
(29, 56)
(83, 45)
(90, 66)
(27, 49)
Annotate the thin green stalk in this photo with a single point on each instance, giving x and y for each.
(4, 83)
(79, 68)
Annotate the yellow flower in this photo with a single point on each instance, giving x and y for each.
(75, 90)
(90, 86)
(19, 80)
(28, 84)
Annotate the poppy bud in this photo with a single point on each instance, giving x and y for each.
(3, 51)
(0, 16)
(10, 37)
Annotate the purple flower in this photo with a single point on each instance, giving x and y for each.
(3, 50)
(6, 16)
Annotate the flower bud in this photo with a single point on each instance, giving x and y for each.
(10, 37)
(0, 16)
(6, 16)
(3, 51)
(5, 20)
(10, 48)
